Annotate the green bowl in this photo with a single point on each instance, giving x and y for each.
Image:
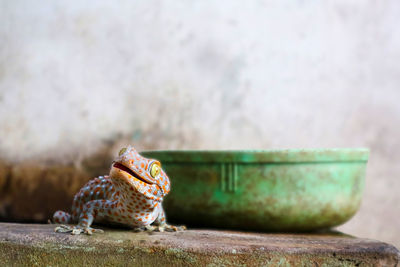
(264, 190)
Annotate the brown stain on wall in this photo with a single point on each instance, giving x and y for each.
(33, 191)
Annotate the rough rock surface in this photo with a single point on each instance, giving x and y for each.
(35, 244)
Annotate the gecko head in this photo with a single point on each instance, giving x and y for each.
(133, 172)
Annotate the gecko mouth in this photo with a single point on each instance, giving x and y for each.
(131, 172)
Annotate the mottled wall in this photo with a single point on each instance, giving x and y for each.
(78, 75)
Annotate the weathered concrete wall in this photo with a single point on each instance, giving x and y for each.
(80, 77)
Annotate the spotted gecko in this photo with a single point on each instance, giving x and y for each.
(130, 195)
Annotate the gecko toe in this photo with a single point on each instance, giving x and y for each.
(77, 230)
(63, 229)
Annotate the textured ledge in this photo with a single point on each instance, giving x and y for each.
(34, 244)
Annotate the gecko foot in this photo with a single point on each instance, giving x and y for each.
(171, 228)
(161, 228)
(76, 230)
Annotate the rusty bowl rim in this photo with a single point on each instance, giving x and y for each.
(311, 155)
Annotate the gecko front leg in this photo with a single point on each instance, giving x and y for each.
(160, 224)
(91, 210)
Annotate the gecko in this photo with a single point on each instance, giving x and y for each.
(130, 195)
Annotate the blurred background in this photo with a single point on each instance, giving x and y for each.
(79, 79)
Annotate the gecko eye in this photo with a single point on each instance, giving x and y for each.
(155, 169)
(122, 151)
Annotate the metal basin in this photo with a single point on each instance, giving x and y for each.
(264, 190)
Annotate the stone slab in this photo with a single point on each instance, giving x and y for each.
(38, 244)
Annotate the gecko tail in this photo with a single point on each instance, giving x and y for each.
(61, 217)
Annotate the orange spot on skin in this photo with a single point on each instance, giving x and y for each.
(142, 165)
